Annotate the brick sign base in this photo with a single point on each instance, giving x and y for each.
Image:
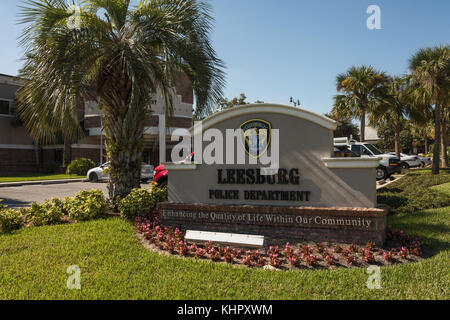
(346, 225)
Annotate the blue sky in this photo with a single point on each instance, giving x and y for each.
(277, 49)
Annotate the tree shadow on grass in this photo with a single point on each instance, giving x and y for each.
(393, 190)
(392, 201)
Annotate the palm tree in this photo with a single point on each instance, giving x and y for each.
(48, 118)
(430, 69)
(445, 118)
(122, 57)
(423, 128)
(360, 86)
(393, 108)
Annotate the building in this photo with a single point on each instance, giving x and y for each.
(19, 153)
(371, 135)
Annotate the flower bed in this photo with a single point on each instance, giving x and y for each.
(399, 248)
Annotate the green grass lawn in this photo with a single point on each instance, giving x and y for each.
(114, 265)
(443, 188)
(38, 177)
(416, 191)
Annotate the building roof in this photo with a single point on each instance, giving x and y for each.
(11, 80)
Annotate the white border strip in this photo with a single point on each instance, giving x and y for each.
(351, 163)
(180, 167)
(17, 146)
(31, 147)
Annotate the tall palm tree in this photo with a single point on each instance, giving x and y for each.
(360, 86)
(423, 127)
(393, 108)
(122, 55)
(430, 69)
(445, 120)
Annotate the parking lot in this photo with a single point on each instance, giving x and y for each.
(24, 196)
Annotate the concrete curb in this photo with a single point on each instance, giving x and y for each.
(34, 183)
(381, 186)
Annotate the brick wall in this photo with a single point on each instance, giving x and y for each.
(16, 160)
(184, 88)
(92, 122)
(347, 225)
(93, 154)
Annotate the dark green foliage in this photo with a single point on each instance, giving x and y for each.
(387, 143)
(80, 166)
(346, 128)
(51, 168)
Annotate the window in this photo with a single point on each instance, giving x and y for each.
(360, 150)
(4, 107)
(374, 149)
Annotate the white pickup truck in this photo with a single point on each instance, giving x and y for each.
(389, 164)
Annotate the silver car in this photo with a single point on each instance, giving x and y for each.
(409, 161)
(101, 173)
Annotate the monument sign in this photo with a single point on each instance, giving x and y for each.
(274, 175)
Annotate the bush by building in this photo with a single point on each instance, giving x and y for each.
(141, 202)
(80, 166)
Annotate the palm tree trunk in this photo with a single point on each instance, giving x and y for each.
(426, 144)
(397, 140)
(125, 170)
(363, 126)
(444, 157)
(437, 136)
(67, 153)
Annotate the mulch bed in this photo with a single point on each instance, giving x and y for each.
(398, 249)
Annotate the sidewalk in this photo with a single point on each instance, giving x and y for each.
(42, 182)
(381, 185)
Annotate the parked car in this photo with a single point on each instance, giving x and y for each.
(409, 161)
(101, 173)
(389, 164)
(161, 175)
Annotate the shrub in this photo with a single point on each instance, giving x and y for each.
(86, 205)
(51, 167)
(2, 206)
(158, 195)
(141, 202)
(10, 220)
(138, 203)
(48, 213)
(80, 166)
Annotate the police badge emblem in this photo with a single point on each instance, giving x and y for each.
(255, 137)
